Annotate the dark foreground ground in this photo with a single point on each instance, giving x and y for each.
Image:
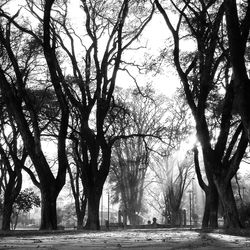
(147, 239)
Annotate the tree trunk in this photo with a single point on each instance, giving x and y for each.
(80, 212)
(48, 208)
(206, 214)
(213, 203)
(7, 211)
(210, 216)
(134, 219)
(176, 218)
(12, 190)
(93, 195)
(80, 217)
(231, 216)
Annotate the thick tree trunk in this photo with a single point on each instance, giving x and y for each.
(80, 217)
(243, 101)
(93, 194)
(210, 216)
(213, 199)
(134, 219)
(231, 216)
(176, 218)
(48, 208)
(7, 211)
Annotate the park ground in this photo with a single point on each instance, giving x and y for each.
(143, 239)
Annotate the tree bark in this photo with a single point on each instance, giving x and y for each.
(12, 190)
(48, 208)
(176, 218)
(210, 216)
(238, 33)
(133, 217)
(206, 214)
(223, 175)
(7, 211)
(231, 216)
(213, 199)
(80, 199)
(80, 212)
(94, 193)
(80, 217)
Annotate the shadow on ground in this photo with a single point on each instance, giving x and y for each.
(144, 239)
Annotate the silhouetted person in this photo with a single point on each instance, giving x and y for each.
(154, 224)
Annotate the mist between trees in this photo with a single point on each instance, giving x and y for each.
(60, 68)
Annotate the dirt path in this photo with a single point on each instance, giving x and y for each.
(157, 239)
